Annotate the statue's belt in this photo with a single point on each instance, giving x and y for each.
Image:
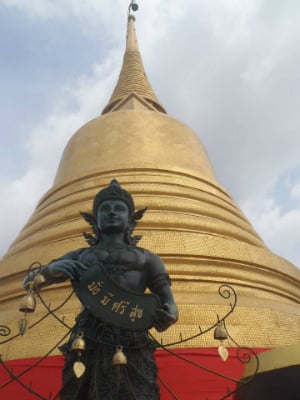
(107, 300)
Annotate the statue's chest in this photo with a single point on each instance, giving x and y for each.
(125, 266)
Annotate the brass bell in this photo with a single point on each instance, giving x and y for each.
(220, 332)
(39, 279)
(119, 357)
(78, 343)
(28, 303)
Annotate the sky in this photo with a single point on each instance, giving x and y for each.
(229, 69)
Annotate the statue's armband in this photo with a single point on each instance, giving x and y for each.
(159, 281)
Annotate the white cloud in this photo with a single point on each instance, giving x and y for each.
(48, 9)
(35, 8)
(45, 144)
(90, 16)
(88, 94)
(279, 229)
(243, 122)
(295, 192)
(16, 203)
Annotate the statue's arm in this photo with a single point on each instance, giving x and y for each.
(160, 284)
(57, 271)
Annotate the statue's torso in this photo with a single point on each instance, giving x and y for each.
(125, 264)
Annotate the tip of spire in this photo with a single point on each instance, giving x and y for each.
(133, 79)
(133, 6)
(130, 16)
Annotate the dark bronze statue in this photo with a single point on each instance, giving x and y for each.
(110, 355)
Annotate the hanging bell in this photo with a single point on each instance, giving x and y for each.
(119, 357)
(78, 343)
(220, 332)
(28, 303)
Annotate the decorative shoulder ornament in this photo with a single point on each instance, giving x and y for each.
(112, 192)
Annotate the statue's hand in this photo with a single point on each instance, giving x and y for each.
(28, 279)
(167, 315)
(60, 270)
(55, 272)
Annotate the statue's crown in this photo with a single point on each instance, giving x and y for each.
(113, 191)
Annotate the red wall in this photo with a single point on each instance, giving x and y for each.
(186, 380)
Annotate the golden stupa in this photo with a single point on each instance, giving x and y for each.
(191, 222)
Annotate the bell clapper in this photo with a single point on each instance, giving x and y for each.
(223, 352)
(23, 325)
(78, 346)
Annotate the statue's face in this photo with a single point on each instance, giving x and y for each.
(113, 216)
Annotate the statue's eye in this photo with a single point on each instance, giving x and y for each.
(120, 208)
(105, 208)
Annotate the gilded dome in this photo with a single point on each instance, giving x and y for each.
(139, 138)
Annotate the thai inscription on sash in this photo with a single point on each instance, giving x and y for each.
(107, 300)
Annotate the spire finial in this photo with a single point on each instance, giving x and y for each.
(133, 80)
(133, 6)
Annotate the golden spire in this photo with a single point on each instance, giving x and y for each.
(133, 82)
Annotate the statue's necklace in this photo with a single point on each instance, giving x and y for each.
(113, 247)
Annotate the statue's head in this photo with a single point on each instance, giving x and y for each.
(111, 194)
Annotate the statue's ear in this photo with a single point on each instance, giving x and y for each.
(139, 214)
(89, 218)
(91, 239)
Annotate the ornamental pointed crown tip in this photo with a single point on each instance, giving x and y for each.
(132, 78)
(113, 191)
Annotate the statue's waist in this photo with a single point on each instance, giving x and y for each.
(97, 331)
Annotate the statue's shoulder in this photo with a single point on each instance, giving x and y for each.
(142, 250)
(74, 254)
(150, 257)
